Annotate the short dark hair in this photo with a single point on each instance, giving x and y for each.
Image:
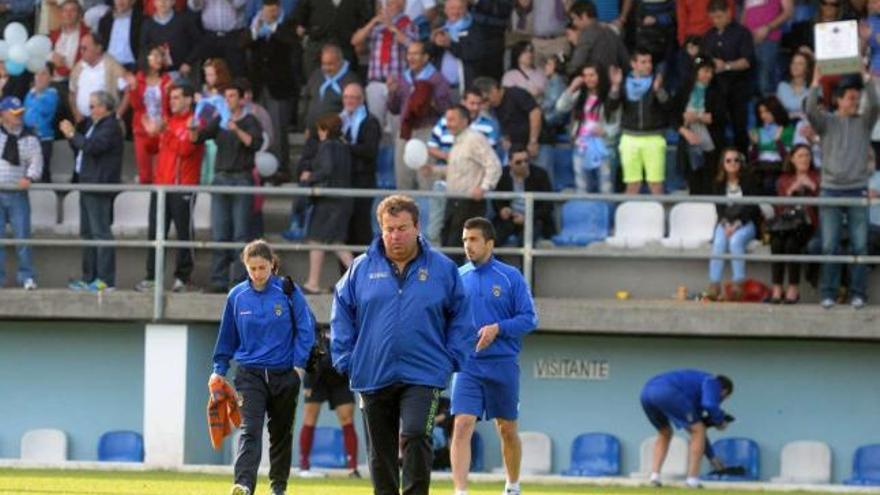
(484, 225)
(518, 147)
(471, 90)
(187, 89)
(726, 383)
(97, 39)
(243, 83)
(234, 86)
(461, 111)
(332, 123)
(395, 205)
(582, 8)
(717, 6)
(640, 52)
(485, 84)
(271, 2)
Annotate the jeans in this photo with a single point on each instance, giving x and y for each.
(547, 160)
(599, 179)
(735, 244)
(437, 213)
(230, 222)
(766, 56)
(15, 208)
(831, 224)
(95, 219)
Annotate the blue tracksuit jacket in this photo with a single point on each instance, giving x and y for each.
(412, 328)
(256, 328)
(499, 294)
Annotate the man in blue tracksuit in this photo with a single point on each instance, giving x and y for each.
(400, 326)
(270, 335)
(691, 400)
(488, 386)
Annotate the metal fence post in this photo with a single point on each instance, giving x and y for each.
(159, 263)
(528, 238)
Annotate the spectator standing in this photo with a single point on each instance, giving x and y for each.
(175, 28)
(845, 141)
(178, 163)
(400, 280)
(21, 164)
(543, 22)
(237, 140)
(644, 105)
(66, 41)
(729, 45)
(332, 22)
(210, 102)
(518, 114)
(21, 11)
(491, 19)
(771, 141)
(97, 71)
(521, 176)
(453, 47)
(765, 19)
(121, 28)
(592, 41)
(149, 91)
(654, 29)
(97, 144)
(699, 117)
(419, 97)
(524, 74)
(331, 168)
(693, 18)
(595, 129)
(271, 358)
(793, 91)
(472, 169)
(224, 27)
(40, 110)
(362, 133)
(324, 88)
(737, 223)
(794, 225)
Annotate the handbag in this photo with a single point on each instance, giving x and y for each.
(790, 219)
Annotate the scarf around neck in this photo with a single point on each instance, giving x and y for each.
(332, 82)
(351, 123)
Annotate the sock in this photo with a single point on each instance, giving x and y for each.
(511, 486)
(655, 476)
(461, 492)
(692, 481)
(306, 437)
(349, 436)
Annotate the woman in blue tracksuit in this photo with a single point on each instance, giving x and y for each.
(270, 335)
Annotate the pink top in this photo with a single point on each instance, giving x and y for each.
(759, 13)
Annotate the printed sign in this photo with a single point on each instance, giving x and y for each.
(837, 47)
(572, 369)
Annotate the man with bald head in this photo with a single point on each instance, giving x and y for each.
(362, 132)
(324, 88)
(454, 46)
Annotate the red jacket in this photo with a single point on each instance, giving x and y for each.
(53, 37)
(136, 99)
(179, 160)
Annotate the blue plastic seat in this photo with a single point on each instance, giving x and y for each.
(121, 446)
(563, 173)
(866, 466)
(594, 454)
(737, 452)
(583, 222)
(477, 453)
(385, 168)
(328, 450)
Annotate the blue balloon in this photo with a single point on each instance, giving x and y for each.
(14, 68)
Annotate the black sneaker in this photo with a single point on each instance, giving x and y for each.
(354, 474)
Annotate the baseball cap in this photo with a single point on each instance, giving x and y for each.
(11, 104)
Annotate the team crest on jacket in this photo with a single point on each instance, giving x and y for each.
(423, 274)
(496, 290)
(277, 309)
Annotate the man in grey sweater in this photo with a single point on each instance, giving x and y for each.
(845, 141)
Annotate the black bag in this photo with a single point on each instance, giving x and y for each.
(792, 218)
(319, 348)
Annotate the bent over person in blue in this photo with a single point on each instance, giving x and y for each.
(400, 326)
(488, 386)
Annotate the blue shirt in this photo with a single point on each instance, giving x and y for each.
(499, 294)
(412, 328)
(257, 329)
(702, 390)
(39, 112)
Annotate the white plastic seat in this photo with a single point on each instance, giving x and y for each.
(201, 218)
(44, 445)
(537, 452)
(637, 223)
(44, 209)
(70, 213)
(804, 461)
(131, 211)
(691, 225)
(674, 467)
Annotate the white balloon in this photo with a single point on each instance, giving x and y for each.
(4, 49)
(266, 163)
(18, 53)
(15, 33)
(38, 46)
(415, 154)
(36, 64)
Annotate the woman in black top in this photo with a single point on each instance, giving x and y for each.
(330, 168)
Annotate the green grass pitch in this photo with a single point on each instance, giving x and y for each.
(42, 482)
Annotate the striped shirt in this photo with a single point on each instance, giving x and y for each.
(220, 15)
(442, 139)
(396, 63)
(30, 156)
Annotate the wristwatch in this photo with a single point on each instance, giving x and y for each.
(726, 67)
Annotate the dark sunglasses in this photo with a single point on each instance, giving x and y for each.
(831, 4)
(733, 160)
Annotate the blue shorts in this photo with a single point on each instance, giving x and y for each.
(487, 389)
(663, 403)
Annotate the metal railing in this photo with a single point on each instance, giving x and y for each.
(528, 251)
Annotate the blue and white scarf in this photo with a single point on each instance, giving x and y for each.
(457, 27)
(636, 87)
(333, 82)
(426, 73)
(352, 122)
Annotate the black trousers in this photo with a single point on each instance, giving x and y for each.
(793, 242)
(178, 209)
(227, 46)
(360, 225)
(736, 108)
(458, 211)
(271, 393)
(395, 412)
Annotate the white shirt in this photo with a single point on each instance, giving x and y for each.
(120, 46)
(91, 79)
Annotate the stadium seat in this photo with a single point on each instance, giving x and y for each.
(70, 213)
(537, 451)
(478, 455)
(131, 213)
(594, 454)
(121, 446)
(737, 452)
(583, 222)
(385, 168)
(201, 217)
(691, 225)
(264, 455)
(44, 210)
(563, 171)
(44, 445)
(804, 461)
(676, 463)
(866, 466)
(328, 450)
(637, 223)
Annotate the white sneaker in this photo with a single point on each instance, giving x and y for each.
(827, 303)
(145, 286)
(308, 473)
(29, 284)
(856, 302)
(512, 491)
(179, 286)
(240, 490)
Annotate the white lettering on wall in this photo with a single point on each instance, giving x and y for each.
(571, 369)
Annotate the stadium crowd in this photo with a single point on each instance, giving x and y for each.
(492, 86)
